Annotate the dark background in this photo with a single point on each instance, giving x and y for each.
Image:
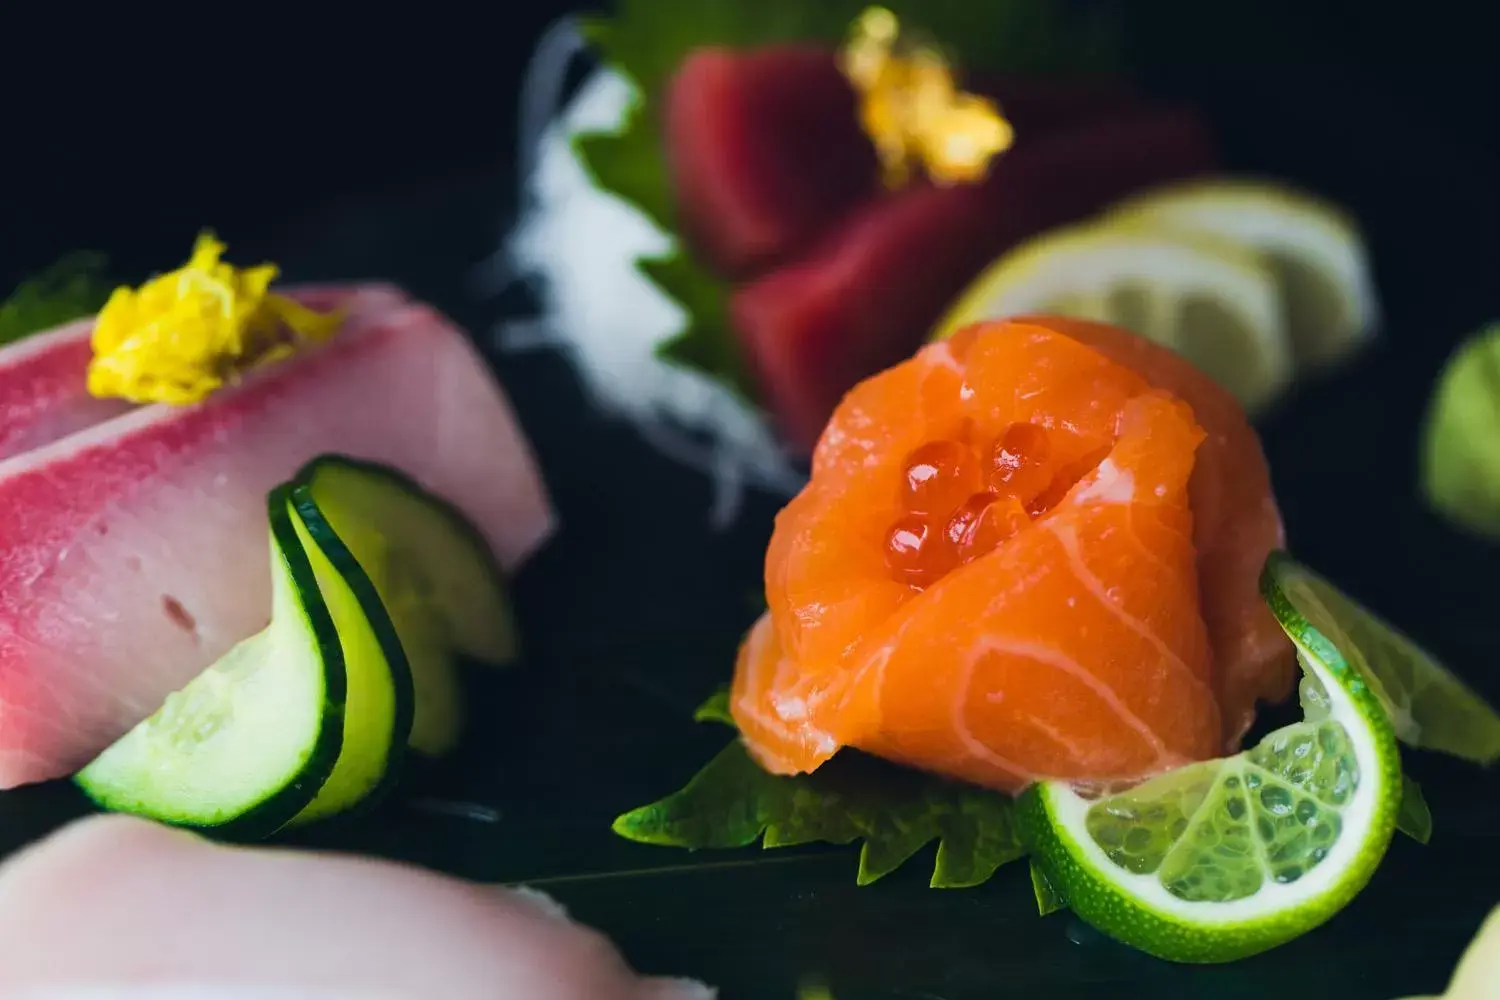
(127, 137)
(380, 145)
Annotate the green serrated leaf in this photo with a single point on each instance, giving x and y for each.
(1413, 817)
(646, 40)
(1049, 899)
(629, 163)
(731, 802)
(71, 288)
(702, 344)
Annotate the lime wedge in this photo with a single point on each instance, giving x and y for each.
(1461, 440)
(1205, 297)
(1428, 706)
(1227, 858)
(1315, 249)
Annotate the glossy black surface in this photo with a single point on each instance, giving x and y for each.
(633, 614)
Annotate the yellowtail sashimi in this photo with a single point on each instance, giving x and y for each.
(132, 552)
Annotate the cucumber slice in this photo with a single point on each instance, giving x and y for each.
(378, 710)
(435, 576)
(247, 744)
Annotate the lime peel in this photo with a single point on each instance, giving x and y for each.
(1234, 919)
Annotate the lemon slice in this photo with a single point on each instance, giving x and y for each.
(1314, 248)
(1203, 296)
(1228, 858)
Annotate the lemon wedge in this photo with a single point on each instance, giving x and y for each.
(1206, 297)
(1315, 249)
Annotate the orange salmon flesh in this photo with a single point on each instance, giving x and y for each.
(1031, 551)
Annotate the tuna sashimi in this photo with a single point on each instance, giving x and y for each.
(43, 379)
(1000, 571)
(868, 294)
(766, 148)
(132, 554)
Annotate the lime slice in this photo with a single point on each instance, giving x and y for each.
(1315, 249)
(1227, 858)
(1204, 297)
(1461, 440)
(1428, 706)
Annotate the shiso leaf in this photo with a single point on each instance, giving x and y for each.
(894, 812)
(1460, 463)
(70, 289)
(646, 40)
(1414, 818)
(1429, 706)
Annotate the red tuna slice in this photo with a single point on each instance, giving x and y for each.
(869, 294)
(44, 379)
(765, 150)
(133, 553)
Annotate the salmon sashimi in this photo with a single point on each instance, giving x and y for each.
(44, 378)
(995, 572)
(132, 554)
(1236, 524)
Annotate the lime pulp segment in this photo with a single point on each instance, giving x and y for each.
(1227, 858)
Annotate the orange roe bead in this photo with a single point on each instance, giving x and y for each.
(1018, 461)
(938, 476)
(914, 552)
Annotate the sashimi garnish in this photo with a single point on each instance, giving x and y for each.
(603, 229)
(185, 334)
(581, 246)
(913, 110)
(894, 813)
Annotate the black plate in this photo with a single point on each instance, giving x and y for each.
(633, 614)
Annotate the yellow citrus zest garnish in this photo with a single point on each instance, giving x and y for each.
(184, 334)
(912, 109)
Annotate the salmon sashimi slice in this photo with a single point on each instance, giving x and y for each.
(1236, 525)
(132, 554)
(870, 292)
(44, 378)
(994, 573)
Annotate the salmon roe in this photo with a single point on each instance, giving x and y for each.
(960, 501)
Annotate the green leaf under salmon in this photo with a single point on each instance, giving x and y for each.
(894, 812)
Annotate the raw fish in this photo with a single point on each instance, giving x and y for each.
(1000, 571)
(766, 148)
(132, 554)
(168, 909)
(867, 295)
(43, 378)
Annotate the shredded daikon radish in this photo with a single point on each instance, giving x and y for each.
(576, 245)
